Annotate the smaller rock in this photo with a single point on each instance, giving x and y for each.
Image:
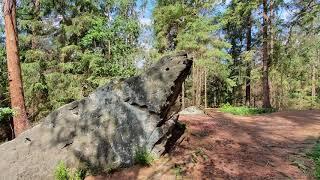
(192, 110)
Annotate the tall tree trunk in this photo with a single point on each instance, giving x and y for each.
(182, 96)
(271, 31)
(197, 86)
(313, 92)
(248, 70)
(282, 90)
(20, 120)
(205, 89)
(265, 58)
(193, 84)
(200, 86)
(235, 66)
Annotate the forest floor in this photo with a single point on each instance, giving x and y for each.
(224, 146)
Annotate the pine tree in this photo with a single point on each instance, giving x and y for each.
(20, 120)
(265, 58)
(188, 26)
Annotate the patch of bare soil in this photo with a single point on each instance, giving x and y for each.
(223, 146)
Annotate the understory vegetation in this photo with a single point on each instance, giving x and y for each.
(64, 173)
(6, 113)
(244, 110)
(315, 156)
(143, 157)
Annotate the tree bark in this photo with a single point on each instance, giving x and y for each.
(200, 87)
(182, 97)
(248, 70)
(197, 86)
(265, 58)
(235, 66)
(313, 92)
(205, 89)
(193, 84)
(20, 120)
(271, 31)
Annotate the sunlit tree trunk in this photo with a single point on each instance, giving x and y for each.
(248, 70)
(265, 58)
(313, 81)
(193, 84)
(205, 88)
(199, 86)
(313, 89)
(20, 120)
(271, 52)
(182, 96)
(314, 73)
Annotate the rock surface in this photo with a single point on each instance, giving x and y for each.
(192, 110)
(105, 129)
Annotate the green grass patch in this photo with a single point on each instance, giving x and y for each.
(315, 156)
(244, 111)
(63, 173)
(143, 157)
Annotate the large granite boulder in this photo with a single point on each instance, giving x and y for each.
(105, 129)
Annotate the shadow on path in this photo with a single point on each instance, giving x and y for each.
(223, 146)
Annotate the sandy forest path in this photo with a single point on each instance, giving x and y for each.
(223, 146)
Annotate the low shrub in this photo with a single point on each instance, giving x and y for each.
(245, 111)
(6, 113)
(315, 156)
(61, 172)
(143, 157)
(64, 173)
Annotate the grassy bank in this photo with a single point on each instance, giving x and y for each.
(314, 154)
(244, 111)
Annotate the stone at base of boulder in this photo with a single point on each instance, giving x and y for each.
(192, 110)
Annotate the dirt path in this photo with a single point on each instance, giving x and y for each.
(223, 146)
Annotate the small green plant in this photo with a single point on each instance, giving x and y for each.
(143, 157)
(245, 111)
(64, 173)
(80, 174)
(315, 156)
(178, 171)
(61, 172)
(6, 113)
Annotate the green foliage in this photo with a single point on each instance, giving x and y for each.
(143, 157)
(64, 173)
(3, 79)
(67, 52)
(34, 56)
(244, 111)
(6, 113)
(61, 172)
(190, 26)
(315, 156)
(70, 53)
